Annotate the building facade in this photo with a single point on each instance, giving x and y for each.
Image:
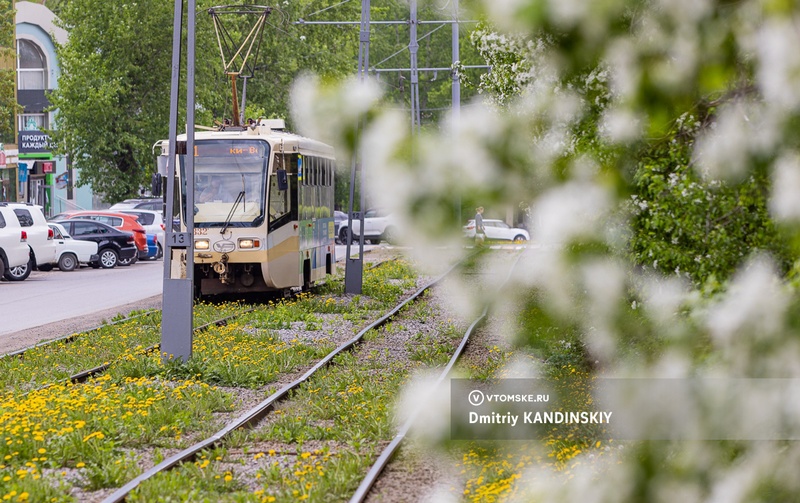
(39, 176)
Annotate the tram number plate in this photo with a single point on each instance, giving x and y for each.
(179, 239)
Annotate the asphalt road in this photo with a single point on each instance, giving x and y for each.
(48, 297)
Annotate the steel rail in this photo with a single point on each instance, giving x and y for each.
(388, 452)
(255, 414)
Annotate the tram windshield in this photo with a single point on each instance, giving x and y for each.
(229, 182)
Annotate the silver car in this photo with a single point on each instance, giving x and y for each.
(498, 230)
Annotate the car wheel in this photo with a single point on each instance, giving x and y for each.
(519, 238)
(127, 261)
(45, 267)
(68, 262)
(343, 235)
(19, 273)
(159, 253)
(108, 258)
(2, 266)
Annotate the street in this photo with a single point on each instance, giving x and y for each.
(47, 297)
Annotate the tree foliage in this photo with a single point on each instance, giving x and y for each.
(113, 95)
(8, 100)
(703, 229)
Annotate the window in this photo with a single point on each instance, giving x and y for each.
(31, 66)
(32, 122)
(145, 218)
(57, 233)
(2, 221)
(84, 229)
(24, 217)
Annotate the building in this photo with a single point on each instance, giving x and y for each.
(39, 176)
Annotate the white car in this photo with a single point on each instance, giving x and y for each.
(497, 230)
(378, 225)
(145, 203)
(40, 240)
(153, 223)
(14, 249)
(71, 252)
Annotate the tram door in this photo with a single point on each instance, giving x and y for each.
(284, 254)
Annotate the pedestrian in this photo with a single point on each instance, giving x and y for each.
(480, 231)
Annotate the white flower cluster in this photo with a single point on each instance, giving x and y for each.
(528, 150)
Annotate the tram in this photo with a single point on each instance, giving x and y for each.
(263, 208)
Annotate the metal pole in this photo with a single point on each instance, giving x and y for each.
(244, 98)
(413, 47)
(354, 267)
(176, 299)
(456, 89)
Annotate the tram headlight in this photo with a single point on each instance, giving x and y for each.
(248, 243)
(201, 244)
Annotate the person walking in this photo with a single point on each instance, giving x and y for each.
(480, 231)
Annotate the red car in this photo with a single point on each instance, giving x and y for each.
(121, 221)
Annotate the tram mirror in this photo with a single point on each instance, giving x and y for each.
(283, 183)
(155, 184)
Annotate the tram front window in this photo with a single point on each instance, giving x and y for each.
(229, 182)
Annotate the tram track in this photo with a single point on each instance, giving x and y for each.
(256, 414)
(84, 375)
(363, 491)
(252, 416)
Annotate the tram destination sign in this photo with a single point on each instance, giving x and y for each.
(227, 148)
(34, 142)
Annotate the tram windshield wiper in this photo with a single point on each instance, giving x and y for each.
(227, 223)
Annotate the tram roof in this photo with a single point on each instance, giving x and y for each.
(291, 142)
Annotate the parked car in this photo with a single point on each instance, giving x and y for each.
(70, 252)
(153, 223)
(14, 249)
(144, 203)
(121, 221)
(339, 219)
(498, 230)
(40, 240)
(113, 245)
(378, 225)
(153, 247)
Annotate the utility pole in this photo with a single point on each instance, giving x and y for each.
(455, 89)
(413, 47)
(354, 267)
(178, 291)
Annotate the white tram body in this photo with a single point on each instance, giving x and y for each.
(263, 209)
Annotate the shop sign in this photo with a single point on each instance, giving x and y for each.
(33, 142)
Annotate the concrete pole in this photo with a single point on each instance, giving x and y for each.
(354, 267)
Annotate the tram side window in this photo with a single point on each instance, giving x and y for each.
(280, 201)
